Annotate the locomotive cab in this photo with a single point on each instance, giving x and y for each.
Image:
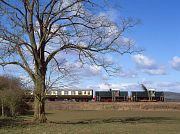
(151, 92)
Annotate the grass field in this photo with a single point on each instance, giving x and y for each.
(97, 122)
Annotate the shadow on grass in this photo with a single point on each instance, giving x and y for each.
(22, 122)
(131, 120)
(49, 113)
(19, 121)
(11, 122)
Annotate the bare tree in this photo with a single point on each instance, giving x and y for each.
(33, 33)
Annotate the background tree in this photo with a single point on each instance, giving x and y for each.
(33, 33)
(11, 95)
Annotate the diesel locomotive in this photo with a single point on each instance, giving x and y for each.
(146, 95)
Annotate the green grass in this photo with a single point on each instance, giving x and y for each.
(97, 122)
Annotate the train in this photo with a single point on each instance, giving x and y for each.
(85, 95)
(136, 96)
(147, 95)
(64, 95)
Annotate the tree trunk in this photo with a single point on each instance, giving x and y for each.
(2, 108)
(39, 100)
(12, 110)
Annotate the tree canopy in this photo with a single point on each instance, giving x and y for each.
(34, 33)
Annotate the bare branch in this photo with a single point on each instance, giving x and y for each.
(13, 7)
(19, 64)
(33, 33)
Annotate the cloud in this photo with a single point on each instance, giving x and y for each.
(91, 70)
(127, 86)
(143, 61)
(148, 65)
(111, 14)
(114, 70)
(127, 74)
(118, 86)
(175, 63)
(163, 86)
(85, 70)
(169, 86)
(156, 70)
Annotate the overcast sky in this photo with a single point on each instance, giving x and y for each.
(158, 34)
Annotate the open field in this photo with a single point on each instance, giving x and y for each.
(155, 106)
(98, 122)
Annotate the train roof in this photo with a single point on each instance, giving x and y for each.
(70, 90)
(151, 89)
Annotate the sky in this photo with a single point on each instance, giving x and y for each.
(158, 34)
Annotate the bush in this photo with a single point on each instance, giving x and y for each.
(11, 96)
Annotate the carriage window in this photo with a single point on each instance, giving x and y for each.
(65, 92)
(79, 92)
(53, 92)
(59, 92)
(84, 92)
(73, 93)
(88, 92)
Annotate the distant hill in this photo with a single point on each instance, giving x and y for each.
(172, 97)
